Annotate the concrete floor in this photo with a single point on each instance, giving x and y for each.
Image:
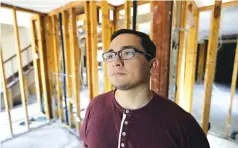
(49, 136)
(18, 116)
(219, 107)
(56, 136)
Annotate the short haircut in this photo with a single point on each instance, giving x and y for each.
(146, 42)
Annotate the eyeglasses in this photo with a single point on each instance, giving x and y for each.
(126, 53)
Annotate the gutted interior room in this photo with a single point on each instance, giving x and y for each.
(52, 64)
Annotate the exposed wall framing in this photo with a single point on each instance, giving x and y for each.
(5, 92)
(161, 38)
(88, 49)
(211, 63)
(75, 65)
(233, 89)
(94, 42)
(190, 58)
(201, 62)
(56, 48)
(20, 71)
(181, 53)
(36, 63)
(43, 67)
(106, 40)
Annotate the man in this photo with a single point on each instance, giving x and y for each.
(133, 116)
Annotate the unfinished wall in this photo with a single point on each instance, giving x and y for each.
(9, 47)
(16, 94)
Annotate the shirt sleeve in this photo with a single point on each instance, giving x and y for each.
(195, 137)
(83, 129)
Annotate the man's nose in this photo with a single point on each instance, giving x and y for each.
(117, 62)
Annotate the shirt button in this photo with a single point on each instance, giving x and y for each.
(126, 122)
(123, 133)
(127, 111)
(122, 145)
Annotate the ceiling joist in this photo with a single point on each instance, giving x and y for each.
(3, 5)
(66, 7)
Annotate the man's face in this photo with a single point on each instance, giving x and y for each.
(126, 74)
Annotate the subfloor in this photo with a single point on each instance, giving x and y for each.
(56, 136)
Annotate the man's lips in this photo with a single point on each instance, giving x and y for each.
(118, 74)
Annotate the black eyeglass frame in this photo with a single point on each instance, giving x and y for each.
(124, 48)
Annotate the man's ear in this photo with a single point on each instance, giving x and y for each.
(154, 65)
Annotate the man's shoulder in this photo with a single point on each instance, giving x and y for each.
(173, 112)
(102, 99)
(170, 109)
(167, 103)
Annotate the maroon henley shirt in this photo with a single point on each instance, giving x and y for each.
(159, 124)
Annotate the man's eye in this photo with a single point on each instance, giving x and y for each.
(128, 53)
(109, 56)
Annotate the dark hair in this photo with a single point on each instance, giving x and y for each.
(146, 42)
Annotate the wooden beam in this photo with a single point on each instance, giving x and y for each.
(211, 63)
(162, 10)
(75, 65)
(138, 4)
(20, 9)
(5, 92)
(94, 42)
(151, 26)
(233, 89)
(201, 62)
(224, 5)
(88, 50)
(10, 98)
(66, 7)
(110, 6)
(173, 50)
(49, 53)
(190, 61)
(181, 53)
(65, 18)
(116, 19)
(81, 17)
(127, 16)
(20, 71)
(26, 87)
(36, 63)
(111, 31)
(151, 37)
(105, 40)
(43, 68)
(56, 68)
